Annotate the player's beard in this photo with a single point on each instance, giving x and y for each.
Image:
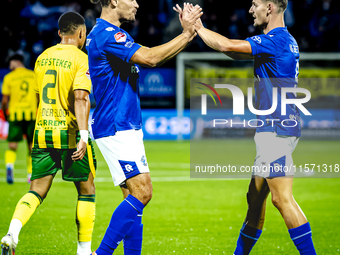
(132, 19)
(261, 26)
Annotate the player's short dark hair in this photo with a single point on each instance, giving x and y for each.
(103, 3)
(16, 57)
(281, 4)
(69, 22)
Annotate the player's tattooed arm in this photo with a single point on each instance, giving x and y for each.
(82, 111)
(158, 55)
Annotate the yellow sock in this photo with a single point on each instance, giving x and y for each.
(10, 157)
(86, 211)
(29, 164)
(27, 206)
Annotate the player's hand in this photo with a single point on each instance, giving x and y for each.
(178, 9)
(189, 16)
(80, 152)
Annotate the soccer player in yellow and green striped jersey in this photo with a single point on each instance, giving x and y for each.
(20, 100)
(61, 139)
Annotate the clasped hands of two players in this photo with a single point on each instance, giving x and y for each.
(189, 17)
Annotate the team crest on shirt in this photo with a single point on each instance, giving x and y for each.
(88, 74)
(256, 39)
(120, 37)
(143, 160)
(294, 48)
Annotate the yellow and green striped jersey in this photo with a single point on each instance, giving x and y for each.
(19, 86)
(60, 70)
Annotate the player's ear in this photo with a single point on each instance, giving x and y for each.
(114, 3)
(269, 8)
(59, 33)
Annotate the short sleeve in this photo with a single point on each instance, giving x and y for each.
(36, 87)
(6, 90)
(261, 44)
(82, 78)
(122, 46)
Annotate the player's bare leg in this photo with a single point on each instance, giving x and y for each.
(126, 222)
(282, 198)
(10, 157)
(256, 197)
(25, 209)
(140, 187)
(252, 227)
(125, 190)
(296, 222)
(85, 214)
(29, 163)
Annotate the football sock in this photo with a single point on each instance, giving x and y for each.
(23, 212)
(29, 164)
(122, 220)
(247, 239)
(10, 157)
(134, 238)
(14, 229)
(84, 248)
(85, 221)
(302, 238)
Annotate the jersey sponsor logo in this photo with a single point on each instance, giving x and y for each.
(88, 74)
(129, 44)
(134, 69)
(120, 37)
(256, 39)
(294, 48)
(109, 29)
(88, 42)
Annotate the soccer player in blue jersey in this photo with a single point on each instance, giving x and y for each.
(276, 60)
(117, 123)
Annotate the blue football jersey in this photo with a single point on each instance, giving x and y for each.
(276, 64)
(114, 79)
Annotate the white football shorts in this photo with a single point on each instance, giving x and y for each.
(124, 153)
(274, 155)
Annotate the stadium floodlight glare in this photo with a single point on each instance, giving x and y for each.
(207, 57)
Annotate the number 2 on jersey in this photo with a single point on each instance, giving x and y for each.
(49, 85)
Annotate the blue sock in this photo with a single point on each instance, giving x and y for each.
(247, 239)
(121, 222)
(302, 238)
(133, 239)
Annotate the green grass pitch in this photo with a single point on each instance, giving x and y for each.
(185, 216)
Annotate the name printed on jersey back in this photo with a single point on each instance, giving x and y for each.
(54, 62)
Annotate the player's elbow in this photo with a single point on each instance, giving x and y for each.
(81, 99)
(151, 61)
(226, 48)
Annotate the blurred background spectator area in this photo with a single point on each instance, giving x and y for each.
(30, 26)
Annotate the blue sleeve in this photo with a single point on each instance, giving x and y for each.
(122, 46)
(261, 44)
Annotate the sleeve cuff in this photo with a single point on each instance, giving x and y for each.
(134, 48)
(253, 46)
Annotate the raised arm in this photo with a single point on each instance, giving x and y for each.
(236, 49)
(156, 56)
(82, 111)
